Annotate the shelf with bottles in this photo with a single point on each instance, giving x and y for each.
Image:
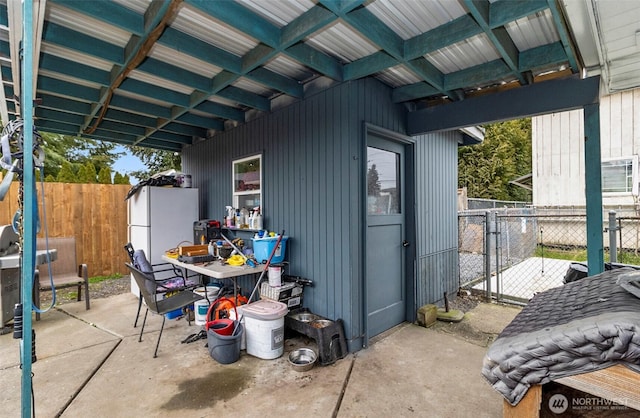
(235, 229)
(239, 219)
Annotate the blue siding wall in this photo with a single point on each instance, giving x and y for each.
(436, 216)
(312, 183)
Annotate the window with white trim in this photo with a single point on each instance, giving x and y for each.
(620, 175)
(247, 182)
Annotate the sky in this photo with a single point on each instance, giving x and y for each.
(127, 163)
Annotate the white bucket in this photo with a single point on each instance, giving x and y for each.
(202, 306)
(264, 324)
(275, 275)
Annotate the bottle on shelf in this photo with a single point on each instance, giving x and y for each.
(230, 216)
(257, 219)
(244, 218)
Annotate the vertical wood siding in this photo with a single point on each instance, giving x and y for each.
(312, 186)
(436, 216)
(558, 149)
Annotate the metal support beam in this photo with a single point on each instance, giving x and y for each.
(488, 232)
(536, 99)
(29, 230)
(593, 187)
(613, 241)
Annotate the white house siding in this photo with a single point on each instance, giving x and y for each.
(558, 150)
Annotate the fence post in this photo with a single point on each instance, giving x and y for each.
(497, 238)
(487, 252)
(613, 244)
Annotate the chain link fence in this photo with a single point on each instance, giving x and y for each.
(471, 248)
(628, 237)
(478, 204)
(513, 253)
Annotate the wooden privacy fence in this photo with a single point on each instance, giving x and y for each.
(96, 214)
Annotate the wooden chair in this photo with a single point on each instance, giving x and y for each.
(150, 289)
(65, 270)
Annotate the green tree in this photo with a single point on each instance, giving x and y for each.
(92, 174)
(155, 160)
(83, 176)
(76, 151)
(66, 174)
(104, 176)
(373, 181)
(120, 179)
(505, 154)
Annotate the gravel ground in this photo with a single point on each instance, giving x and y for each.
(103, 289)
(465, 301)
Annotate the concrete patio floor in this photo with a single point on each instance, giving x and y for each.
(90, 363)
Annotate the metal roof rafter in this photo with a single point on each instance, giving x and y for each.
(366, 23)
(155, 19)
(270, 37)
(563, 32)
(480, 10)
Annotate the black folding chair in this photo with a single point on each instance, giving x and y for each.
(169, 302)
(174, 281)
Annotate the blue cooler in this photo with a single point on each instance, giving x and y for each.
(262, 248)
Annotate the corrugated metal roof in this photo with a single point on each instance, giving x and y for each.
(398, 76)
(342, 42)
(201, 26)
(139, 6)
(214, 61)
(159, 81)
(279, 12)
(288, 67)
(185, 61)
(253, 87)
(75, 56)
(411, 18)
(87, 25)
(466, 54)
(533, 31)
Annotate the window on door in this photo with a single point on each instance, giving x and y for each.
(383, 182)
(620, 175)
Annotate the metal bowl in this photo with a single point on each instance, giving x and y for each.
(304, 317)
(302, 359)
(321, 323)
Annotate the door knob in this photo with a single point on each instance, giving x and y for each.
(405, 243)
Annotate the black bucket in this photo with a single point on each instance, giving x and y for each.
(225, 349)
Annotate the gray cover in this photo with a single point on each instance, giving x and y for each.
(586, 325)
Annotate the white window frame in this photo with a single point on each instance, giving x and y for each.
(633, 190)
(237, 194)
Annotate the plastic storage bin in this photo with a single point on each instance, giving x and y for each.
(262, 248)
(264, 326)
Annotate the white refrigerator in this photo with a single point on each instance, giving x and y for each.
(160, 218)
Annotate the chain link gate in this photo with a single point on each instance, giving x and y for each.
(540, 249)
(524, 251)
(471, 251)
